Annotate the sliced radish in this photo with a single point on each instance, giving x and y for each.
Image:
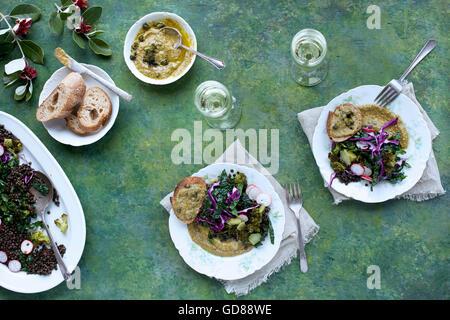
(367, 171)
(243, 217)
(14, 266)
(367, 178)
(3, 257)
(0, 224)
(357, 169)
(26, 247)
(253, 192)
(264, 199)
(2, 150)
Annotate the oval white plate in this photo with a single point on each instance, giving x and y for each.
(230, 268)
(131, 35)
(75, 236)
(58, 129)
(418, 151)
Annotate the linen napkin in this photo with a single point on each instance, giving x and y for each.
(237, 154)
(429, 186)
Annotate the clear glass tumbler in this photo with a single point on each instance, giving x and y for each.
(220, 109)
(308, 50)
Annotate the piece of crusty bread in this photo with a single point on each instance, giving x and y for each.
(337, 129)
(63, 99)
(74, 124)
(188, 198)
(95, 110)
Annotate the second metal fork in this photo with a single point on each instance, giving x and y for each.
(394, 87)
(294, 199)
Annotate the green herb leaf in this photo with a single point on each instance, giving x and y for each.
(10, 80)
(20, 92)
(29, 92)
(91, 15)
(32, 51)
(100, 47)
(6, 37)
(6, 48)
(23, 11)
(79, 40)
(95, 33)
(55, 23)
(66, 2)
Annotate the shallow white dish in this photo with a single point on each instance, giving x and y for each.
(131, 35)
(417, 153)
(58, 129)
(230, 268)
(74, 238)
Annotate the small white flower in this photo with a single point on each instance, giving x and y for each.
(74, 21)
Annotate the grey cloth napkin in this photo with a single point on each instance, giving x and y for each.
(429, 185)
(237, 154)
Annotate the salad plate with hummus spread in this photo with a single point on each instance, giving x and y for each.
(367, 152)
(226, 221)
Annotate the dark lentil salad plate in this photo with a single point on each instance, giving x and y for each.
(27, 262)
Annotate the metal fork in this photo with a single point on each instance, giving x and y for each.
(394, 87)
(294, 199)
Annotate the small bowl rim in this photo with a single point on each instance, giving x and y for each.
(131, 34)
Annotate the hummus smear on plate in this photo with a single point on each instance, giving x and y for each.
(153, 50)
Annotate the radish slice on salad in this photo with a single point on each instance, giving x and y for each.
(0, 223)
(2, 150)
(243, 217)
(367, 178)
(26, 247)
(367, 171)
(3, 257)
(362, 145)
(253, 191)
(14, 266)
(264, 199)
(357, 169)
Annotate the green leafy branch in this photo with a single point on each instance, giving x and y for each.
(80, 21)
(18, 23)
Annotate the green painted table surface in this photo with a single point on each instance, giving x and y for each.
(121, 179)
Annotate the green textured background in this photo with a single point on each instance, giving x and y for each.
(121, 179)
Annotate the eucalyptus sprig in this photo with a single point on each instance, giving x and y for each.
(77, 17)
(18, 23)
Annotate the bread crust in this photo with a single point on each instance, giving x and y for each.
(180, 185)
(73, 123)
(87, 108)
(75, 89)
(359, 117)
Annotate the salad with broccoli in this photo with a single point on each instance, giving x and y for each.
(369, 155)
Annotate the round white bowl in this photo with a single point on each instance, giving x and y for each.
(131, 35)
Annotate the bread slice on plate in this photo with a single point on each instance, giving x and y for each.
(74, 124)
(188, 198)
(63, 99)
(95, 110)
(344, 122)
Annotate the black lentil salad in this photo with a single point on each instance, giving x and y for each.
(24, 246)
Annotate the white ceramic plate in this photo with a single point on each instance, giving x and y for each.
(131, 35)
(230, 268)
(418, 151)
(58, 129)
(75, 236)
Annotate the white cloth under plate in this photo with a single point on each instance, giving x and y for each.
(237, 154)
(429, 186)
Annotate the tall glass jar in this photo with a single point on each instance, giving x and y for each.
(308, 50)
(220, 109)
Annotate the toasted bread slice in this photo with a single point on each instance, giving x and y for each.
(344, 122)
(63, 99)
(95, 110)
(74, 124)
(188, 198)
